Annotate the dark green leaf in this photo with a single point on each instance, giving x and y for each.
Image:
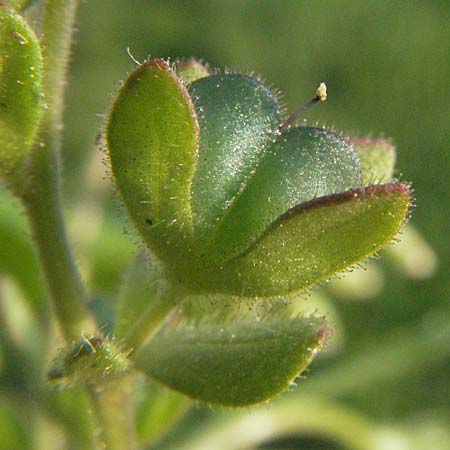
(302, 164)
(238, 118)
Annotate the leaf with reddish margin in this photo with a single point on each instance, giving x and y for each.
(315, 240)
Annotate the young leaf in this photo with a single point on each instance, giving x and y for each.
(377, 159)
(151, 136)
(238, 364)
(304, 163)
(190, 70)
(315, 240)
(20, 95)
(238, 118)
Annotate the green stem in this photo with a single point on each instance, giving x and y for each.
(150, 320)
(112, 409)
(41, 192)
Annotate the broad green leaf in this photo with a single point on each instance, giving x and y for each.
(21, 102)
(377, 159)
(315, 240)
(151, 136)
(236, 363)
(302, 164)
(238, 118)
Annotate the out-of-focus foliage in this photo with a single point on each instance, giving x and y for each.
(385, 66)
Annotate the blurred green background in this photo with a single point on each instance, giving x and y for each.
(386, 66)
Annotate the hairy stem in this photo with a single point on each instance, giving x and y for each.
(41, 191)
(112, 409)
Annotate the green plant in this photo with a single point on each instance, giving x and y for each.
(232, 202)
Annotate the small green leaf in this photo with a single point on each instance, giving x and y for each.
(190, 70)
(377, 159)
(302, 164)
(152, 141)
(21, 103)
(237, 363)
(315, 240)
(238, 118)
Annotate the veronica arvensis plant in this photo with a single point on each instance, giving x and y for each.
(232, 200)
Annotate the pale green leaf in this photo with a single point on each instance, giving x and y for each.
(141, 290)
(158, 409)
(21, 102)
(235, 363)
(377, 159)
(190, 70)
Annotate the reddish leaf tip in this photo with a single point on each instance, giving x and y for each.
(368, 141)
(342, 197)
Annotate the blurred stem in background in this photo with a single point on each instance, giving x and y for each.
(42, 193)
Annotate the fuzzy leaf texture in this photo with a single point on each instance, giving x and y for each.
(236, 364)
(229, 203)
(152, 137)
(377, 158)
(21, 102)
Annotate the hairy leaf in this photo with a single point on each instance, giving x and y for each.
(238, 118)
(21, 102)
(377, 159)
(302, 164)
(152, 141)
(190, 70)
(315, 240)
(234, 364)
